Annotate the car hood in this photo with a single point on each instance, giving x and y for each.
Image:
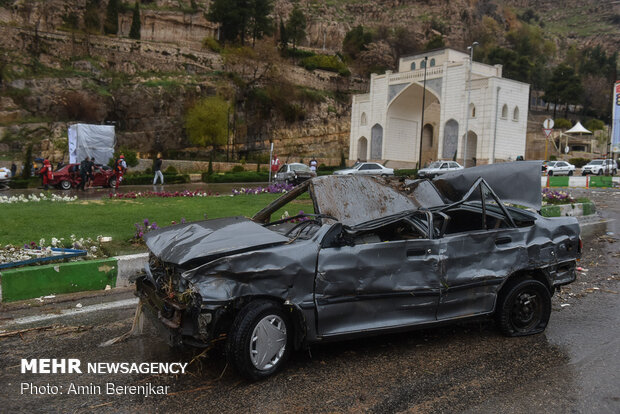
(514, 182)
(209, 239)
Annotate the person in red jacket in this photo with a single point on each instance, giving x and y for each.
(119, 169)
(46, 173)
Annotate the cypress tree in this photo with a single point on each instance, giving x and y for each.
(134, 32)
(111, 18)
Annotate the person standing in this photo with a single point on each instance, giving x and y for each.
(84, 165)
(313, 164)
(119, 169)
(91, 172)
(157, 170)
(46, 174)
(13, 170)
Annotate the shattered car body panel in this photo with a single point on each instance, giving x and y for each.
(374, 257)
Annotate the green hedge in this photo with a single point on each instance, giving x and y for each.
(326, 62)
(138, 179)
(406, 173)
(25, 183)
(579, 162)
(237, 177)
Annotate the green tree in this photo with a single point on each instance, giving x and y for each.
(206, 122)
(27, 162)
(564, 87)
(260, 22)
(92, 21)
(233, 17)
(110, 26)
(283, 36)
(296, 26)
(355, 41)
(134, 31)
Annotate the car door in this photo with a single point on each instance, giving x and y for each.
(372, 284)
(478, 256)
(365, 169)
(561, 168)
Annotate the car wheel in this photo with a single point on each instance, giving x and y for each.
(384, 175)
(550, 173)
(523, 308)
(570, 173)
(112, 182)
(600, 172)
(65, 184)
(259, 340)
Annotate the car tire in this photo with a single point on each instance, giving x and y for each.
(254, 355)
(550, 173)
(523, 308)
(384, 175)
(570, 173)
(600, 172)
(112, 182)
(65, 185)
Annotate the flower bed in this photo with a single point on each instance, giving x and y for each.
(33, 198)
(11, 253)
(556, 197)
(271, 189)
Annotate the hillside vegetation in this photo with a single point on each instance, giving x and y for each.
(282, 71)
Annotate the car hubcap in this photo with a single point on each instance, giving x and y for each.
(526, 310)
(268, 342)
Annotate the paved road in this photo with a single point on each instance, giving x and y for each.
(573, 367)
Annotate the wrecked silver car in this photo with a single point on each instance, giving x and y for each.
(375, 256)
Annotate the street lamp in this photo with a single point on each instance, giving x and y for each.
(422, 122)
(471, 59)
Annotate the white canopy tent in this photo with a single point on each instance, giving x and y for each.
(578, 129)
(94, 141)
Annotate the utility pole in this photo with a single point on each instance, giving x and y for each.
(422, 122)
(471, 58)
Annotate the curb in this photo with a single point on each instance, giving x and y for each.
(571, 210)
(36, 281)
(588, 181)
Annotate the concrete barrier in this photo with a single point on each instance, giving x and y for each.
(35, 281)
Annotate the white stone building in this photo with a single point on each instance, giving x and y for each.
(385, 123)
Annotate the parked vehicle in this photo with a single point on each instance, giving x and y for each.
(5, 173)
(439, 167)
(370, 259)
(366, 168)
(69, 176)
(560, 168)
(294, 173)
(600, 167)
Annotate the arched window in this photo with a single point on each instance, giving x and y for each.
(432, 62)
(363, 120)
(505, 111)
(422, 64)
(412, 65)
(515, 114)
(472, 110)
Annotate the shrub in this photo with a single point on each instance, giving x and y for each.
(326, 62)
(238, 177)
(138, 179)
(553, 158)
(562, 123)
(238, 169)
(579, 162)
(171, 170)
(130, 157)
(405, 172)
(211, 44)
(595, 125)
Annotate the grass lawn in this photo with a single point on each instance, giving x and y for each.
(25, 222)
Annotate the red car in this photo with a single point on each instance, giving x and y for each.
(69, 176)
